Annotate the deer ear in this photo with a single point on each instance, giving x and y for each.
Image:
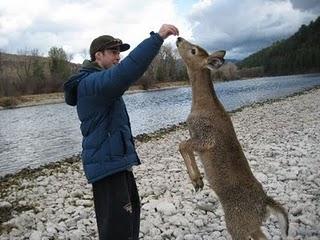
(215, 60)
(219, 54)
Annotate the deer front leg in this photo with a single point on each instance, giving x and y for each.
(187, 149)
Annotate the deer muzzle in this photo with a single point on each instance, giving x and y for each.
(179, 40)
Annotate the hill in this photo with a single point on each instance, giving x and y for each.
(30, 73)
(300, 53)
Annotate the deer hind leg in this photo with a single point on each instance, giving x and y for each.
(187, 149)
(258, 235)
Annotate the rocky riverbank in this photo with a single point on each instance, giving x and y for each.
(280, 139)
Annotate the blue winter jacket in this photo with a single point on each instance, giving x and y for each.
(108, 145)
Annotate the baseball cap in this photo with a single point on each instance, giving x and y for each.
(106, 42)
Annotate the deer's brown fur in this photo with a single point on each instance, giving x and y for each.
(212, 136)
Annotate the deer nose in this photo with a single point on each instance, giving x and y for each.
(179, 40)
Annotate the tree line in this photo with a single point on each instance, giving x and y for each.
(300, 53)
(166, 67)
(29, 73)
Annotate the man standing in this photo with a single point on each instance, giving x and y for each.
(108, 152)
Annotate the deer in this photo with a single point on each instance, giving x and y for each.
(213, 138)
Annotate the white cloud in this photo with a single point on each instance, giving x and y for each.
(74, 24)
(240, 27)
(243, 27)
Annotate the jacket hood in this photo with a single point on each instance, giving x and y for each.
(90, 66)
(70, 87)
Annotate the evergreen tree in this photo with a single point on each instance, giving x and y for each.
(298, 54)
(59, 67)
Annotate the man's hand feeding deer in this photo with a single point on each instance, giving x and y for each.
(212, 135)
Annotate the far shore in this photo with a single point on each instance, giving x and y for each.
(58, 97)
(53, 98)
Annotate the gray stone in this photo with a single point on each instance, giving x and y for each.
(76, 234)
(171, 209)
(5, 205)
(86, 203)
(35, 235)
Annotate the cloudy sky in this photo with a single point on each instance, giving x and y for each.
(240, 27)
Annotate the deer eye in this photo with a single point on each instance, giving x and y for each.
(193, 51)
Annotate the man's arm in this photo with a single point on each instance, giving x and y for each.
(115, 81)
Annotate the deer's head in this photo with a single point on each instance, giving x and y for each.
(196, 57)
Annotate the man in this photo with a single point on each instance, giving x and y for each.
(108, 152)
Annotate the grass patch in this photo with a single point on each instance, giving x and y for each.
(8, 102)
(11, 102)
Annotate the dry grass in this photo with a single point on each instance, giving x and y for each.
(40, 97)
(29, 100)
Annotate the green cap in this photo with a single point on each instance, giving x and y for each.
(105, 42)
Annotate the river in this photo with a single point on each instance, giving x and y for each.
(33, 136)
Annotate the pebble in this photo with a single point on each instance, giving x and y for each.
(280, 139)
(35, 235)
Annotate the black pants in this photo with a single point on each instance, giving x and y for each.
(117, 207)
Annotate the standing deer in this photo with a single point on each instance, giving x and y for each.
(212, 136)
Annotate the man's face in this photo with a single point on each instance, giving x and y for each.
(108, 58)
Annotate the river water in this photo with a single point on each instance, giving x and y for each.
(33, 136)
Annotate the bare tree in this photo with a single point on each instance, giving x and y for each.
(70, 57)
(29, 68)
(84, 53)
(23, 67)
(2, 90)
(165, 67)
(6, 88)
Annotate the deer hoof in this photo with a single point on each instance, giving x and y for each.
(197, 184)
